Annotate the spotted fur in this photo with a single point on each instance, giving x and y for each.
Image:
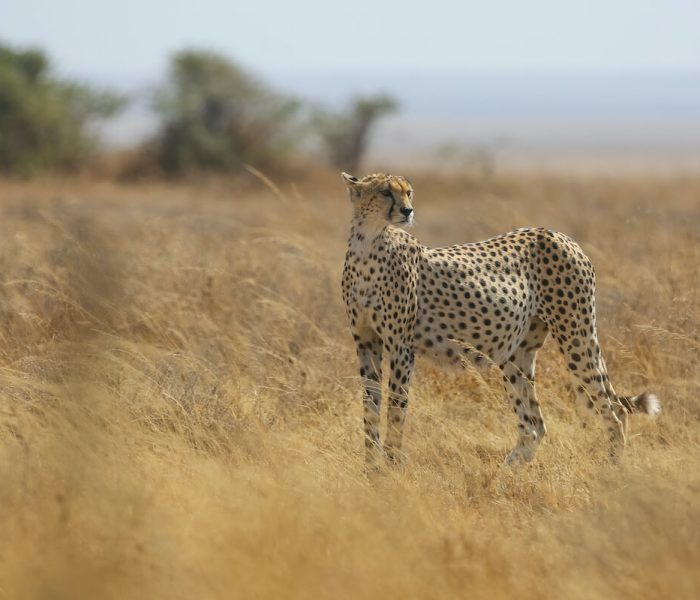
(493, 302)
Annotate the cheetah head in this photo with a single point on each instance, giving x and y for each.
(381, 199)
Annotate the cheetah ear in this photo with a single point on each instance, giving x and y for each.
(352, 183)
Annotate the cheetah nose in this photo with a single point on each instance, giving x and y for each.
(406, 211)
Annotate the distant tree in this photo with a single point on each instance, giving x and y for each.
(345, 135)
(45, 122)
(217, 117)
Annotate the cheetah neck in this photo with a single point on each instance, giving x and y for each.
(365, 241)
(363, 235)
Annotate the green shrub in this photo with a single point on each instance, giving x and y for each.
(45, 122)
(345, 135)
(217, 117)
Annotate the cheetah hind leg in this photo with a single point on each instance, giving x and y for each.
(594, 391)
(583, 404)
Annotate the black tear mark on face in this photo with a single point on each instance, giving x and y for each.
(389, 194)
(353, 178)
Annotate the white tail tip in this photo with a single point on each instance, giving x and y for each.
(649, 404)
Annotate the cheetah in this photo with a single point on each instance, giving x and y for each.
(492, 302)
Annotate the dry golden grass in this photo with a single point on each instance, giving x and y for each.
(180, 412)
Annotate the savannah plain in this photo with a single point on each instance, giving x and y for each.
(180, 408)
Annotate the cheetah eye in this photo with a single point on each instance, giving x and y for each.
(386, 193)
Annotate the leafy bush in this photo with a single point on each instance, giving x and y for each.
(44, 121)
(345, 136)
(217, 117)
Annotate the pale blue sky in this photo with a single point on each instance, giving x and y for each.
(132, 38)
(530, 76)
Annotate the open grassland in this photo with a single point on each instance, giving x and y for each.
(180, 411)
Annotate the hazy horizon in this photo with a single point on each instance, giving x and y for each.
(631, 120)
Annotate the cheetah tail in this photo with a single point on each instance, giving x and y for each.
(645, 403)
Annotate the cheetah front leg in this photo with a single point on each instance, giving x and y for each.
(369, 353)
(401, 370)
